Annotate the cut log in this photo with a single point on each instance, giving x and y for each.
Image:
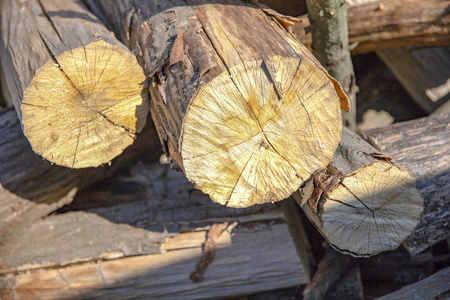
(240, 105)
(375, 25)
(27, 175)
(427, 77)
(363, 203)
(421, 146)
(236, 270)
(78, 92)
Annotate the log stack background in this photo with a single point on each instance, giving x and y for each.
(137, 228)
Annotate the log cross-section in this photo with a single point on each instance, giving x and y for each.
(79, 93)
(363, 203)
(240, 105)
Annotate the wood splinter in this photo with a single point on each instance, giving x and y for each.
(209, 250)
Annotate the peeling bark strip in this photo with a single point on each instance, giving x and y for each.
(240, 105)
(364, 203)
(209, 251)
(79, 93)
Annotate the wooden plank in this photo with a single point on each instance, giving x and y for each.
(375, 25)
(421, 146)
(236, 270)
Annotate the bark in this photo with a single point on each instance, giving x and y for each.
(421, 146)
(363, 203)
(230, 95)
(375, 25)
(78, 92)
(427, 78)
(330, 47)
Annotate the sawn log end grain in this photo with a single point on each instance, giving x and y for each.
(84, 107)
(256, 133)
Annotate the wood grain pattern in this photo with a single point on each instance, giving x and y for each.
(233, 94)
(364, 204)
(78, 92)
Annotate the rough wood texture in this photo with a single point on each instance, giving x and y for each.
(330, 269)
(240, 105)
(24, 173)
(236, 270)
(433, 287)
(164, 203)
(330, 46)
(363, 203)
(299, 236)
(78, 92)
(375, 25)
(421, 146)
(427, 77)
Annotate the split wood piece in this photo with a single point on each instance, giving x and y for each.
(421, 146)
(375, 25)
(436, 286)
(27, 175)
(78, 92)
(330, 269)
(241, 106)
(330, 46)
(427, 77)
(363, 203)
(245, 264)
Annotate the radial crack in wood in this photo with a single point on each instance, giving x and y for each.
(240, 105)
(242, 145)
(372, 208)
(78, 92)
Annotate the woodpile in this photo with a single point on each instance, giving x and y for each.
(90, 209)
(139, 247)
(235, 113)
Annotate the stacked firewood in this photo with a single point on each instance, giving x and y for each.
(240, 106)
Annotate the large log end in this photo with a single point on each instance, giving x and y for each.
(84, 107)
(256, 133)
